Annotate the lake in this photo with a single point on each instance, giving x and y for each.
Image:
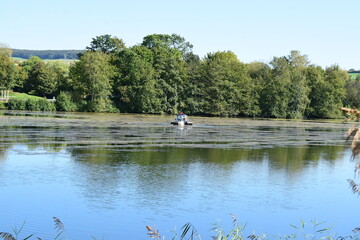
(106, 176)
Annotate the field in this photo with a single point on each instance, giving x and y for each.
(354, 75)
(68, 61)
(24, 96)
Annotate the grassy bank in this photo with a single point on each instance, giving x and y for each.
(22, 96)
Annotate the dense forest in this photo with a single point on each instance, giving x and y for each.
(163, 75)
(46, 54)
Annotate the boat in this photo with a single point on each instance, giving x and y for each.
(181, 119)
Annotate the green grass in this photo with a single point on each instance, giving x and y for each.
(67, 61)
(354, 75)
(23, 96)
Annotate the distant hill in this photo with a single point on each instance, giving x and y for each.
(46, 54)
(353, 71)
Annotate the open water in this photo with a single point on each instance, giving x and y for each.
(106, 176)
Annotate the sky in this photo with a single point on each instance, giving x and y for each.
(327, 31)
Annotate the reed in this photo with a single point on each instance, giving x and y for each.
(59, 226)
(351, 132)
(313, 230)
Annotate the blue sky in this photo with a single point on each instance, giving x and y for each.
(255, 30)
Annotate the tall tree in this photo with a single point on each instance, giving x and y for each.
(227, 85)
(49, 77)
(106, 44)
(135, 86)
(32, 68)
(9, 72)
(5, 50)
(193, 94)
(170, 74)
(167, 59)
(172, 41)
(298, 89)
(352, 88)
(285, 93)
(260, 73)
(274, 96)
(327, 90)
(92, 79)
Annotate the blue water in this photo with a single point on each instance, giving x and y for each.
(111, 180)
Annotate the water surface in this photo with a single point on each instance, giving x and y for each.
(109, 175)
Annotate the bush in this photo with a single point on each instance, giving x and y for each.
(45, 105)
(16, 104)
(30, 104)
(65, 103)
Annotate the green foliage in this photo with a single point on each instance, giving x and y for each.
(9, 72)
(106, 44)
(64, 103)
(352, 87)
(163, 75)
(135, 84)
(39, 105)
(174, 41)
(30, 104)
(92, 78)
(227, 86)
(327, 91)
(315, 231)
(16, 104)
(236, 233)
(170, 74)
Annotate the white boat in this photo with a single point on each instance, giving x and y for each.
(181, 119)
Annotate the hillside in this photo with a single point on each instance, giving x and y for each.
(46, 54)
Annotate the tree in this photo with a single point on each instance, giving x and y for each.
(352, 88)
(167, 60)
(61, 75)
(335, 79)
(48, 78)
(274, 95)
(298, 89)
(106, 44)
(135, 86)
(228, 88)
(327, 90)
(9, 72)
(170, 74)
(285, 91)
(193, 95)
(5, 50)
(92, 80)
(32, 68)
(172, 41)
(260, 74)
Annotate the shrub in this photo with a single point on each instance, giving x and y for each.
(32, 105)
(16, 104)
(65, 103)
(45, 105)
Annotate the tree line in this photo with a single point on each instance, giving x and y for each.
(163, 75)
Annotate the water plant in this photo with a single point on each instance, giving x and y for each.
(354, 133)
(15, 235)
(59, 226)
(313, 230)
